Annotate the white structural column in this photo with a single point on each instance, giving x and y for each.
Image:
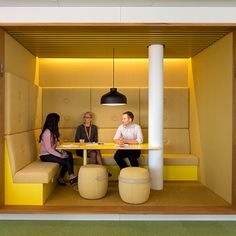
(155, 115)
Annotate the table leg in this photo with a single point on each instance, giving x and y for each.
(85, 157)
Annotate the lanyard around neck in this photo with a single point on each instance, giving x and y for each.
(88, 134)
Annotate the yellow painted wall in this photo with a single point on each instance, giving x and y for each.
(18, 60)
(22, 71)
(20, 193)
(210, 81)
(69, 72)
(176, 72)
(36, 80)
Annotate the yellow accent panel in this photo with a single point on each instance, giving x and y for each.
(36, 79)
(210, 82)
(176, 72)
(20, 194)
(47, 189)
(68, 72)
(180, 173)
(187, 173)
(130, 72)
(24, 194)
(74, 72)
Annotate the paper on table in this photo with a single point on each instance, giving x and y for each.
(88, 144)
(123, 145)
(67, 145)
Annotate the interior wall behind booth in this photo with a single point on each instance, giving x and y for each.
(98, 72)
(211, 115)
(73, 86)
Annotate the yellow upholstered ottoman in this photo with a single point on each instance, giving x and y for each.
(92, 181)
(134, 185)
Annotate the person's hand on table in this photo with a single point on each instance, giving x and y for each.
(121, 142)
(64, 155)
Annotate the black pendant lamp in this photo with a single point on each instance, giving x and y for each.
(113, 98)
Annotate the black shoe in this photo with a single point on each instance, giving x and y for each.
(109, 174)
(74, 180)
(61, 181)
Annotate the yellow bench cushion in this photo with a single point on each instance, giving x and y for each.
(25, 167)
(37, 172)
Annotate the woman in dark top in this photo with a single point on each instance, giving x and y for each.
(89, 133)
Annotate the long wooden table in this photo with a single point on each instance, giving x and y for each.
(103, 146)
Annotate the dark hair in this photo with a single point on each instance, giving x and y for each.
(51, 123)
(129, 114)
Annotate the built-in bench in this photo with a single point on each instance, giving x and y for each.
(29, 180)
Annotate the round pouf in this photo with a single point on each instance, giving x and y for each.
(134, 185)
(92, 181)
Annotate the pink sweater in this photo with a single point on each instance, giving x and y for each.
(47, 145)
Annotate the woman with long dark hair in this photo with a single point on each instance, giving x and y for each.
(49, 139)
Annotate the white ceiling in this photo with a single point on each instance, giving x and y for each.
(115, 3)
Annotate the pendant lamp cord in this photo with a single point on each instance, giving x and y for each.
(113, 68)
